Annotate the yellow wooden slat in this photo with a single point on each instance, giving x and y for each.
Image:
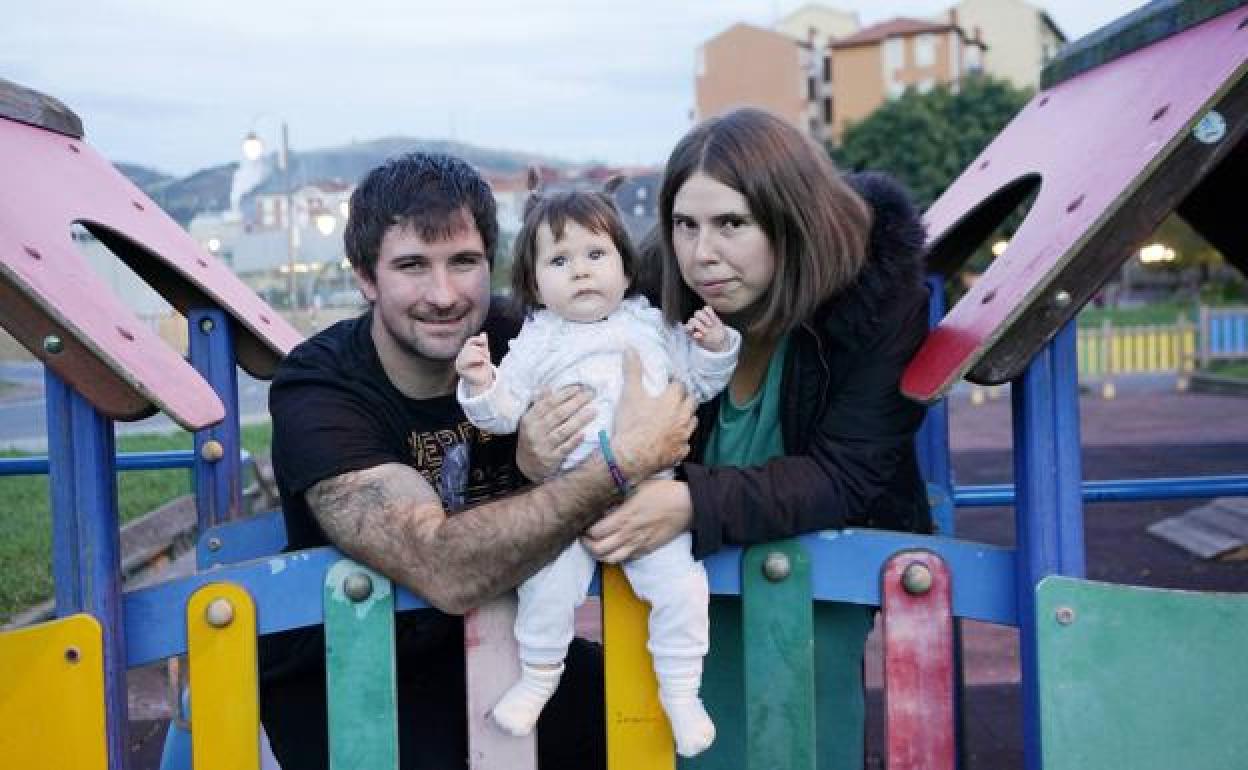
(52, 695)
(638, 734)
(221, 648)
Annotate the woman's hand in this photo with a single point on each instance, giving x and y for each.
(656, 512)
(551, 429)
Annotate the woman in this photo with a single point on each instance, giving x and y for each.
(824, 281)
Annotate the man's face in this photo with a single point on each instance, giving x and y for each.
(429, 296)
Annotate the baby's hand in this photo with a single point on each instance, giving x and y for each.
(473, 364)
(707, 330)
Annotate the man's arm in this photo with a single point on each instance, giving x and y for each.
(391, 519)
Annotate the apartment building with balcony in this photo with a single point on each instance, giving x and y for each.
(1021, 38)
(820, 70)
(883, 60)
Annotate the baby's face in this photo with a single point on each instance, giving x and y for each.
(580, 277)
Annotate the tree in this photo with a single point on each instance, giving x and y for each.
(927, 139)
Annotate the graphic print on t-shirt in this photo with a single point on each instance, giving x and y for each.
(493, 471)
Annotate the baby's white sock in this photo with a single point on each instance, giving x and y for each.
(517, 711)
(679, 680)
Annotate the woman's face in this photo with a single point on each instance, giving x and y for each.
(723, 254)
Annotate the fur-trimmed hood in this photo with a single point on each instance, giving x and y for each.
(894, 264)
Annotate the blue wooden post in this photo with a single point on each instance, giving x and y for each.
(933, 439)
(1048, 515)
(217, 468)
(86, 547)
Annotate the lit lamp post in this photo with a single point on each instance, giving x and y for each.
(253, 148)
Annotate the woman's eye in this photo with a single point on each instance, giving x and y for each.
(597, 254)
(732, 223)
(558, 261)
(684, 226)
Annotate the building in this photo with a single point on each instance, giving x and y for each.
(1021, 38)
(820, 71)
(885, 59)
(746, 64)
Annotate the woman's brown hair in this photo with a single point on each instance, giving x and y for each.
(816, 225)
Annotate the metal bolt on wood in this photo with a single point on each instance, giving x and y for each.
(72, 655)
(357, 586)
(206, 325)
(53, 344)
(214, 544)
(1211, 129)
(1065, 615)
(212, 451)
(916, 579)
(776, 566)
(1062, 298)
(219, 613)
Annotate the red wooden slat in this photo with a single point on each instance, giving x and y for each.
(918, 664)
(493, 665)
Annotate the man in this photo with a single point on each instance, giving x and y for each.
(364, 414)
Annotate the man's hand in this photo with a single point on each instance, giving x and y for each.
(707, 330)
(651, 432)
(473, 364)
(552, 428)
(658, 511)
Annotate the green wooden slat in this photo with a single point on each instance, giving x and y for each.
(779, 659)
(359, 671)
(1140, 678)
(840, 635)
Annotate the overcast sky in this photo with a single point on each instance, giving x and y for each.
(176, 85)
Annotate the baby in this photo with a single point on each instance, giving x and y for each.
(573, 271)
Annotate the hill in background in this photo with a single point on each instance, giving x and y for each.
(209, 189)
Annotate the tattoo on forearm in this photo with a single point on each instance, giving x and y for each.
(391, 519)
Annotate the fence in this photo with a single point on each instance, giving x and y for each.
(1109, 351)
(1223, 334)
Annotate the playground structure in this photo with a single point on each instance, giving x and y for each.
(1140, 119)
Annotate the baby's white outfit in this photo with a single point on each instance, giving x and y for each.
(553, 352)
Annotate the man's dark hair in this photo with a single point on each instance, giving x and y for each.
(424, 191)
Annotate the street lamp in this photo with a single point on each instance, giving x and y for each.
(253, 148)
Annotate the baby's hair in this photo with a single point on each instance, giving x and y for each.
(591, 209)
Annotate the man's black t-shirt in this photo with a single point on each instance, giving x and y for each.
(334, 411)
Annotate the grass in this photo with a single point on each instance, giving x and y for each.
(1238, 369)
(25, 521)
(1157, 313)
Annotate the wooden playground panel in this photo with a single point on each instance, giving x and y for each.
(1141, 119)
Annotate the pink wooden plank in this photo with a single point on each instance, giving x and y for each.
(918, 662)
(492, 666)
(52, 181)
(1095, 141)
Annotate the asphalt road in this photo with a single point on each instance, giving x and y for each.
(23, 410)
